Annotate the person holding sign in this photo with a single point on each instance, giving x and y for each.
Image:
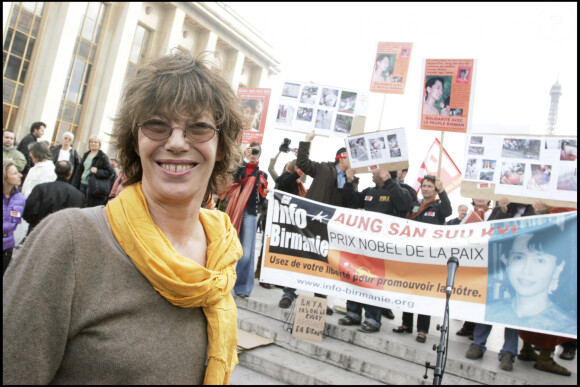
(432, 211)
(387, 197)
(433, 92)
(326, 187)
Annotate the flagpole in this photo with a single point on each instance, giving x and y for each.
(440, 154)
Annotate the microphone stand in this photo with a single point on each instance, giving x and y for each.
(439, 367)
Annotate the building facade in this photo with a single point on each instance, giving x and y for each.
(66, 64)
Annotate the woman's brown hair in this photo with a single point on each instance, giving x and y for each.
(178, 85)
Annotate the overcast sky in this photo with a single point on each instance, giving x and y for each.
(520, 48)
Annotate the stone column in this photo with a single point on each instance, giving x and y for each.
(49, 65)
(105, 86)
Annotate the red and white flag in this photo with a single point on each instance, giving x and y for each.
(471, 217)
(450, 174)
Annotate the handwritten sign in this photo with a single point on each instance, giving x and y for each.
(309, 319)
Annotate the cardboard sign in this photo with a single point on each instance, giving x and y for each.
(309, 318)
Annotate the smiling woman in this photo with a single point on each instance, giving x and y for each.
(164, 265)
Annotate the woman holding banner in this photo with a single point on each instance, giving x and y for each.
(432, 211)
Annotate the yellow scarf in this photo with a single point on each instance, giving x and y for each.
(180, 280)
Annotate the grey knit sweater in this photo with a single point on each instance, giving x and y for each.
(76, 311)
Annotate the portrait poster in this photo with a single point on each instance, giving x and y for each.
(539, 167)
(446, 95)
(387, 261)
(368, 151)
(326, 110)
(254, 103)
(390, 66)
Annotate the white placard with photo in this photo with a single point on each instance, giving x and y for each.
(373, 149)
(530, 166)
(326, 110)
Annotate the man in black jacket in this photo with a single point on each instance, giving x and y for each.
(47, 198)
(386, 197)
(36, 132)
(328, 179)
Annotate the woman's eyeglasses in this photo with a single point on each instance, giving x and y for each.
(159, 130)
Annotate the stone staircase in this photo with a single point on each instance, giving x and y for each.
(348, 356)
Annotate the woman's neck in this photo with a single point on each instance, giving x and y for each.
(176, 220)
(532, 305)
(65, 147)
(430, 101)
(7, 190)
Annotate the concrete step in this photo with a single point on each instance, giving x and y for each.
(376, 366)
(243, 376)
(387, 357)
(294, 368)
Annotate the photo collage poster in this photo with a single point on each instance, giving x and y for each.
(328, 110)
(390, 66)
(447, 94)
(373, 149)
(535, 167)
(254, 103)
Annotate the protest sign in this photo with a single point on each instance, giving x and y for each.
(391, 262)
(390, 67)
(522, 168)
(369, 151)
(447, 94)
(254, 103)
(309, 318)
(326, 110)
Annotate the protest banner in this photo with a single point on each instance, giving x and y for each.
(254, 103)
(522, 168)
(391, 262)
(447, 94)
(450, 175)
(390, 67)
(382, 149)
(326, 110)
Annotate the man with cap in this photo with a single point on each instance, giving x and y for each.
(65, 151)
(328, 179)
